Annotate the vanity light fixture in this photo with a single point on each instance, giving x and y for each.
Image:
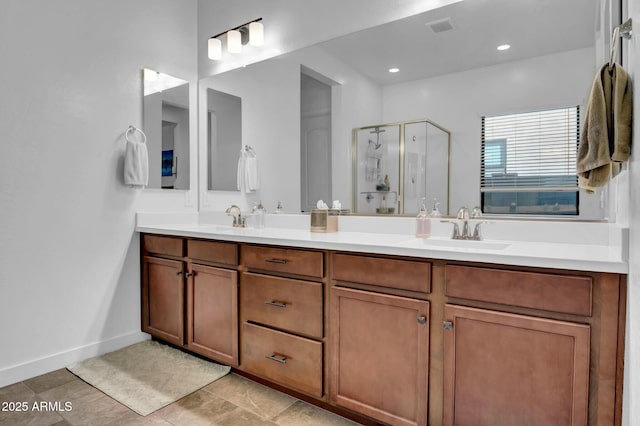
(251, 32)
(394, 70)
(504, 47)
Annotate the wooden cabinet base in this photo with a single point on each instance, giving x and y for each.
(512, 369)
(379, 358)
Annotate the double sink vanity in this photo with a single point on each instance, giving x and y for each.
(387, 328)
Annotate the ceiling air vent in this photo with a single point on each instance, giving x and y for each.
(440, 25)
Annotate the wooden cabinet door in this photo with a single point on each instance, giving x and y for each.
(163, 299)
(507, 369)
(212, 313)
(380, 355)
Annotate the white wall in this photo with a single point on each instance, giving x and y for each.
(631, 191)
(458, 101)
(69, 257)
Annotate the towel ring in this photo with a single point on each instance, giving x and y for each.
(134, 129)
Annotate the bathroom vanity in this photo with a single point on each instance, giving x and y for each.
(392, 332)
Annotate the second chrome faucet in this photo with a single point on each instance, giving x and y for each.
(462, 221)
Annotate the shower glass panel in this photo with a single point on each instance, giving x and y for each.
(426, 167)
(398, 167)
(378, 169)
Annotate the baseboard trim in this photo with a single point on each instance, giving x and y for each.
(27, 370)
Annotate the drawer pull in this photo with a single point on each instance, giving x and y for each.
(279, 261)
(276, 304)
(278, 358)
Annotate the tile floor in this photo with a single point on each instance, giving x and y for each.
(231, 401)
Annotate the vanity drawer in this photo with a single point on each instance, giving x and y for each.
(548, 292)
(283, 260)
(213, 251)
(289, 360)
(393, 273)
(287, 304)
(170, 246)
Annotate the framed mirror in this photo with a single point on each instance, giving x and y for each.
(448, 70)
(166, 124)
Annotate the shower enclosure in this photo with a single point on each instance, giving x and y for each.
(399, 166)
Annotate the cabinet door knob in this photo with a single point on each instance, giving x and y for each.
(448, 325)
(276, 304)
(179, 273)
(278, 358)
(188, 274)
(422, 320)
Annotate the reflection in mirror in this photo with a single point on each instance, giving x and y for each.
(315, 139)
(224, 139)
(399, 167)
(453, 77)
(166, 124)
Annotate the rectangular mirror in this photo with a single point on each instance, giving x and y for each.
(450, 71)
(224, 139)
(166, 124)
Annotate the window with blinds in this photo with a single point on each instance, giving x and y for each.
(529, 162)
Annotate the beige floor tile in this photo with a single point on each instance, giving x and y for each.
(254, 397)
(71, 392)
(19, 408)
(240, 417)
(95, 410)
(199, 408)
(303, 414)
(134, 419)
(15, 392)
(50, 380)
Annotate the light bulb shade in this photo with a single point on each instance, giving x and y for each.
(150, 75)
(214, 48)
(234, 41)
(256, 34)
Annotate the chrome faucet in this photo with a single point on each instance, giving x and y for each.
(476, 213)
(462, 221)
(238, 220)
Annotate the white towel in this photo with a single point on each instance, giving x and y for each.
(247, 178)
(251, 174)
(136, 164)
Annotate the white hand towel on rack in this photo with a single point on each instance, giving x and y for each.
(136, 161)
(251, 174)
(240, 173)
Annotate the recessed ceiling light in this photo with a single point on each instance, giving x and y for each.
(503, 47)
(394, 69)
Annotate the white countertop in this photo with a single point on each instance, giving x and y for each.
(602, 253)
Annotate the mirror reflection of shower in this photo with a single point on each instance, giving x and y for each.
(374, 153)
(398, 165)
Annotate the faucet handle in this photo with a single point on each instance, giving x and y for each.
(476, 212)
(463, 213)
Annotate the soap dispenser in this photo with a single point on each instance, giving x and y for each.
(423, 223)
(435, 212)
(260, 215)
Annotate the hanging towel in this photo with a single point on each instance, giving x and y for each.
(136, 164)
(606, 136)
(247, 177)
(251, 174)
(240, 173)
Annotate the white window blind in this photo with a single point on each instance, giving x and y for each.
(527, 151)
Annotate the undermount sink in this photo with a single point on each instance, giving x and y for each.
(450, 243)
